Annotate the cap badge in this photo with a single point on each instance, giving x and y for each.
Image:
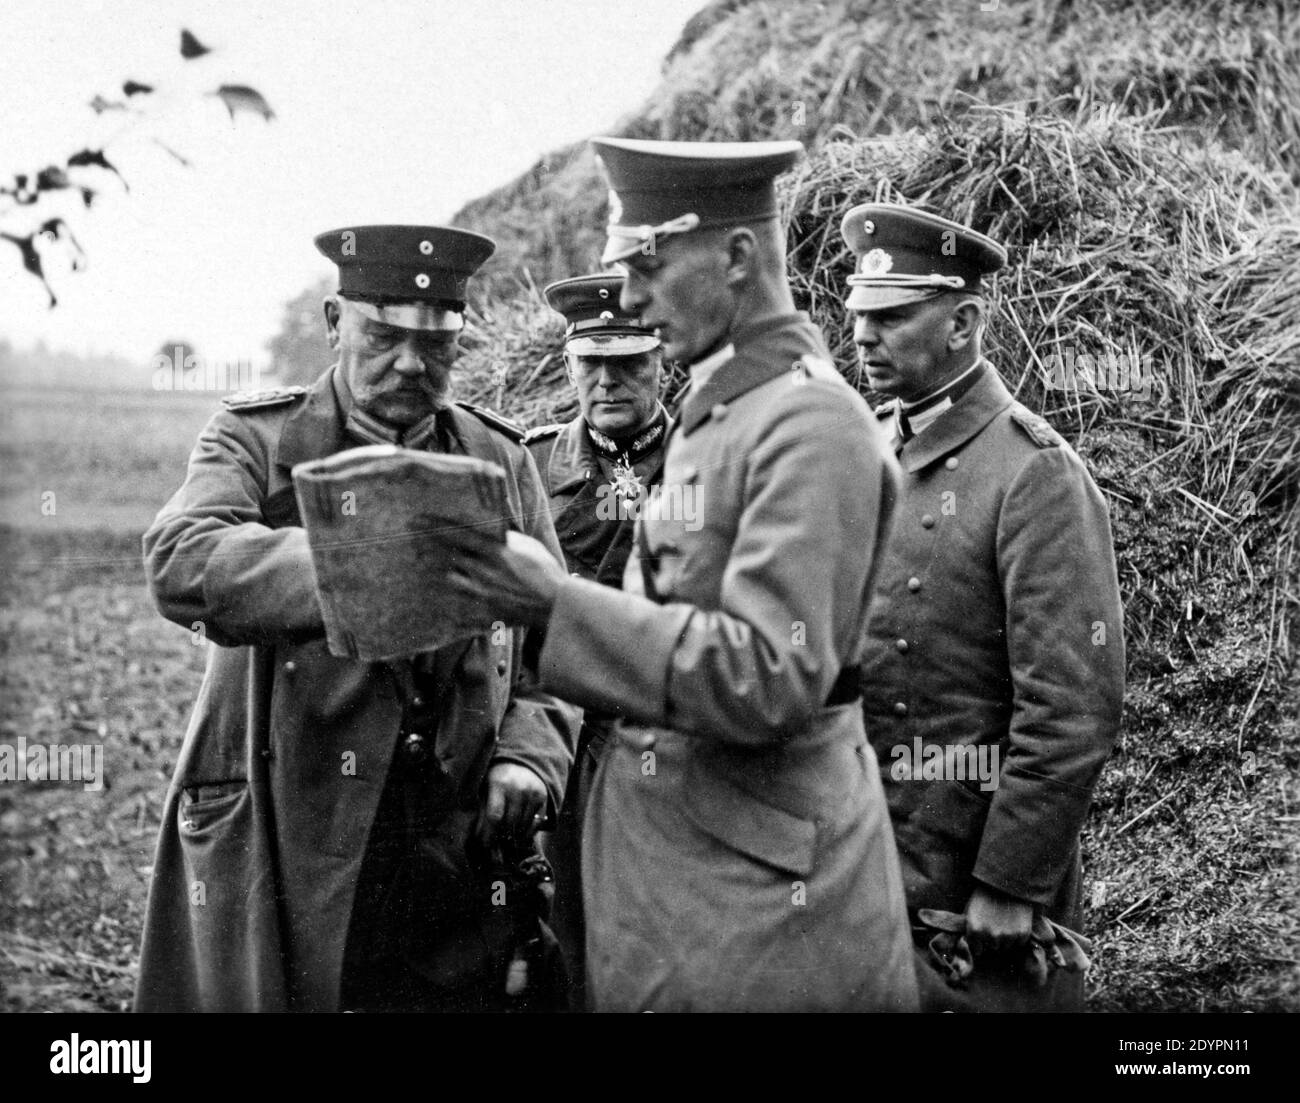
(875, 263)
(604, 292)
(606, 315)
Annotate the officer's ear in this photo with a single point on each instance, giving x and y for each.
(966, 324)
(742, 256)
(333, 312)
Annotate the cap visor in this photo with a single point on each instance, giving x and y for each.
(620, 248)
(422, 316)
(883, 298)
(622, 344)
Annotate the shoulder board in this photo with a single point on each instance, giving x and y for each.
(1035, 427)
(542, 432)
(257, 400)
(495, 421)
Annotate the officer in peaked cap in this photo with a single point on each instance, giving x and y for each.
(995, 636)
(737, 852)
(343, 815)
(598, 469)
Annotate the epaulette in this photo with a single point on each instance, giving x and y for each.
(257, 400)
(541, 432)
(491, 418)
(1036, 427)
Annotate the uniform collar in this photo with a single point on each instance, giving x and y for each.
(981, 403)
(780, 341)
(702, 370)
(573, 459)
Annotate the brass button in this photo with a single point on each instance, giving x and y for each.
(900, 709)
(290, 667)
(901, 645)
(927, 522)
(951, 463)
(719, 411)
(501, 666)
(422, 281)
(914, 584)
(417, 702)
(426, 247)
(414, 745)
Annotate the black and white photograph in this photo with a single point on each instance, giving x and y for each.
(560, 507)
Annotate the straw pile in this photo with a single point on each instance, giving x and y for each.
(1160, 235)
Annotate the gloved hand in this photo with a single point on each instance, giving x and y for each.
(1051, 946)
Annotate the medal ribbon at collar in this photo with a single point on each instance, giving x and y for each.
(632, 448)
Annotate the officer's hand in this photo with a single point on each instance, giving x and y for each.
(515, 805)
(516, 583)
(997, 923)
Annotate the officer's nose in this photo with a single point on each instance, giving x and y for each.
(633, 298)
(865, 333)
(408, 360)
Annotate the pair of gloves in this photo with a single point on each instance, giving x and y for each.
(1050, 947)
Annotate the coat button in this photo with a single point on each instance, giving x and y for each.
(501, 666)
(927, 521)
(951, 463)
(414, 745)
(719, 411)
(417, 702)
(900, 708)
(914, 584)
(422, 281)
(902, 646)
(290, 667)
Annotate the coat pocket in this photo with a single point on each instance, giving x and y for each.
(749, 826)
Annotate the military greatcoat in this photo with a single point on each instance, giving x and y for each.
(267, 818)
(737, 853)
(995, 624)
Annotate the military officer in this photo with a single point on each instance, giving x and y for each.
(994, 671)
(737, 852)
(597, 470)
(326, 834)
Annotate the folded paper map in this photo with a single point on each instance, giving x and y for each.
(384, 524)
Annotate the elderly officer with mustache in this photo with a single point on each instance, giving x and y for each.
(995, 632)
(326, 834)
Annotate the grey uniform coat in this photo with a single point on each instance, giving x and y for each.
(288, 747)
(737, 851)
(995, 624)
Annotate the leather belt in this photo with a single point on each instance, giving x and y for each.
(847, 687)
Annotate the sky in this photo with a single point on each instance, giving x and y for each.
(385, 111)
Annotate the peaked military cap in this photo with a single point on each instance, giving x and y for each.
(658, 189)
(408, 276)
(906, 255)
(596, 324)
